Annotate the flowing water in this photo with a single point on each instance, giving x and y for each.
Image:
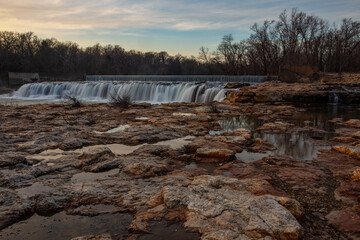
(153, 92)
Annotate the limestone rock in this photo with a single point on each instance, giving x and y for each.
(221, 208)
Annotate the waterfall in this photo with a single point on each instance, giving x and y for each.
(152, 92)
(333, 98)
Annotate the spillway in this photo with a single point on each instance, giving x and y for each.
(153, 92)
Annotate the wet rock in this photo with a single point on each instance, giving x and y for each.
(351, 151)
(214, 155)
(222, 206)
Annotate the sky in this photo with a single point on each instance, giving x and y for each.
(175, 26)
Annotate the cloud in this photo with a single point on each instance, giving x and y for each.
(145, 18)
(178, 15)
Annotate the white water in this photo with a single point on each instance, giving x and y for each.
(333, 98)
(139, 91)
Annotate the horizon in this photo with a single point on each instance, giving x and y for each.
(174, 27)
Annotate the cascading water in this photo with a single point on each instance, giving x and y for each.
(138, 91)
(333, 98)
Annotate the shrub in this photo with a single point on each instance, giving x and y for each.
(122, 99)
(73, 100)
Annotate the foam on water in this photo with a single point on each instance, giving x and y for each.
(153, 92)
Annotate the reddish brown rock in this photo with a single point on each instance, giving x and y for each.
(343, 139)
(347, 220)
(214, 155)
(351, 151)
(355, 175)
(353, 123)
(274, 127)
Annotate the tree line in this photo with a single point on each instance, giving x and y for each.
(294, 39)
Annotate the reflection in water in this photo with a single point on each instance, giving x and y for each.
(61, 226)
(296, 144)
(209, 167)
(163, 230)
(247, 157)
(320, 116)
(85, 177)
(233, 123)
(33, 190)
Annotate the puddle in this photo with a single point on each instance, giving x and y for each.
(61, 226)
(296, 145)
(299, 145)
(33, 190)
(210, 167)
(116, 148)
(94, 210)
(320, 116)
(114, 130)
(49, 155)
(176, 143)
(233, 123)
(248, 157)
(85, 177)
(163, 230)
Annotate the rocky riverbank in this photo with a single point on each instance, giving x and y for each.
(317, 92)
(223, 171)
